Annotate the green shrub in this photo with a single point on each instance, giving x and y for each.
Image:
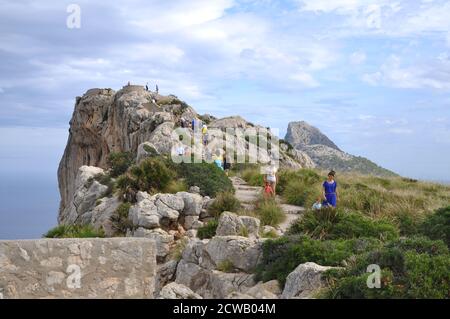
(225, 266)
(209, 230)
(119, 219)
(330, 223)
(299, 193)
(207, 176)
(411, 268)
(224, 201)
(283, 255)
(269, 212)
(437, 225)
(307, 177)
(119, 162)
(252, 175)
(176, 186)
(151, 175)
(270, 234)
(74, 231)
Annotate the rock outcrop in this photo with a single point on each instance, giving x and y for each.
(325, 154)
(106, 121)
(78, 268)
(135, 120)
(305, 281)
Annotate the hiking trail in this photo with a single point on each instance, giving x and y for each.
(248, 195)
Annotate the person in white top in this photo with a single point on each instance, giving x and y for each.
(271, 177)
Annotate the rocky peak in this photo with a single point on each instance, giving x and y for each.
(301, 134)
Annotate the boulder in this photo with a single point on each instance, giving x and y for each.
(144, 213)
(165, 273)
(101, 215)
(238, 295)
(221, 284)
(267, 290)
(162, 138)
(178, 291)
(242, 252)
(162, 239)
(304, 282)
(192, 203)
(194, 190)
(230, 224)
(191, 275)
(87, 191)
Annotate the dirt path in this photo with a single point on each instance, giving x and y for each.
(247, 195)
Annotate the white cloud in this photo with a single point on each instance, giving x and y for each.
(434, 74)
(358, 57)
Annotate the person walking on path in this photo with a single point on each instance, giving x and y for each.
(146, 86)
(330, 192)
(157, 89)
(270, 177)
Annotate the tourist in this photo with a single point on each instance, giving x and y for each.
(157, 89)
(218, 159)
(271, 176)
(226, 164)
(330, 193)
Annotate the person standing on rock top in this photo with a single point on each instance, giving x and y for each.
(330, 192)
(157, 89)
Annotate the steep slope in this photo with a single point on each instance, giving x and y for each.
(106, 121)
(326, 154)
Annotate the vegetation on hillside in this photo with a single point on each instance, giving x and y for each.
(74, 231)
(400, 224)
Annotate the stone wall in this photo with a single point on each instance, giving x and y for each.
(78, 268)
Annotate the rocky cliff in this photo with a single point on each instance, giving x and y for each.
(325, 154)
(106, 121)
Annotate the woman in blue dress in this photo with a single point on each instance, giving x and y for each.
(330, 193)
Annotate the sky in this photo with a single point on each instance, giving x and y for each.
(372, 75)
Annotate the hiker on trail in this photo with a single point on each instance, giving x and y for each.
(157, 89)
(270, 177)
(226, 164)
(205, 134)
(330, 193)
(218, 159)
(128, 84)
(146, 86)
(193, 124)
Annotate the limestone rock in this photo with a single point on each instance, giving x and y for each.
(165, 273)
(86, 192)
(192, 203)
(191, 275)
(144, 213)
(304, 281)
(242, 252)
(231, 224)
(77, 268)
(143, 154)
(178, 291)
(267, 290)
(162, 239)
(221, 284)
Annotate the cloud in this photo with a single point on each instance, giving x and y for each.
(434, 74)
(358, 57)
